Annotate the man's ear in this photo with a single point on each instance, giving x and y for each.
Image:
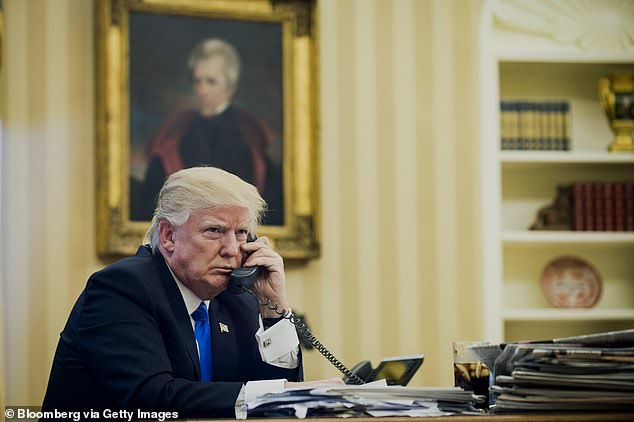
(166, 236)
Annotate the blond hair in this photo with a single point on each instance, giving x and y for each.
(199, 188)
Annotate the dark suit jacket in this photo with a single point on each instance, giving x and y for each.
(129, 344)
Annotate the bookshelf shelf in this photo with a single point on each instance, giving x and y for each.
(519, 237)
(564, 157)
(546, 314)
(513, 54)
(523, 66)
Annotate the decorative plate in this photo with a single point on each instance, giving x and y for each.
(571, 282)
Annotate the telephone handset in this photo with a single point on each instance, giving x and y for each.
(396, 371)
(241, 279)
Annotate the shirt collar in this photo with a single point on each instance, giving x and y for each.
(192, 302)
(221, 108)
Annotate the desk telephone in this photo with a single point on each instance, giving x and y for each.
(395, 370)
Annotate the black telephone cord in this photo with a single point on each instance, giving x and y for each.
(303, 329)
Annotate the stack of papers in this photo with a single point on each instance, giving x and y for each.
(559, 377)
(373, 399)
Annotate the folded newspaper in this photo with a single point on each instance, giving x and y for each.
(372, 399)
(593, 373)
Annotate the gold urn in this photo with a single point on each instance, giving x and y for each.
(616, 94)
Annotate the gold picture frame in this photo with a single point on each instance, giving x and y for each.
(1, 31)
(141, 45)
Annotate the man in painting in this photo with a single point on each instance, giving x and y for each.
(217, 133)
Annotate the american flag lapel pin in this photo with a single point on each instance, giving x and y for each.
(224, 328)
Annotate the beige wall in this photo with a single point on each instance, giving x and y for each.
(399, 271)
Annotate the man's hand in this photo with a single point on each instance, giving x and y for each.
(273, 285)
(314, 384)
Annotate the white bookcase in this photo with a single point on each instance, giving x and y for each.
(535, 64)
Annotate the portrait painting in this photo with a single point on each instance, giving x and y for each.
(206, 83)
(205, 91)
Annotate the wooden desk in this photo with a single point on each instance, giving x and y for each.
(567, 417)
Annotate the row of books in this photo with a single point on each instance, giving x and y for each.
(602, 206)
(535, 125)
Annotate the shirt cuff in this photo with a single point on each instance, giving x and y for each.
(278, 341)
(254, 389)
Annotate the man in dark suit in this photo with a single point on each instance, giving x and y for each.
(131, 342)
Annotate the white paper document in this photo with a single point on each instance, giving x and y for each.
(372, 399)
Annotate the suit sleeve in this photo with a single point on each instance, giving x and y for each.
(244, 312)
(122, 342)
